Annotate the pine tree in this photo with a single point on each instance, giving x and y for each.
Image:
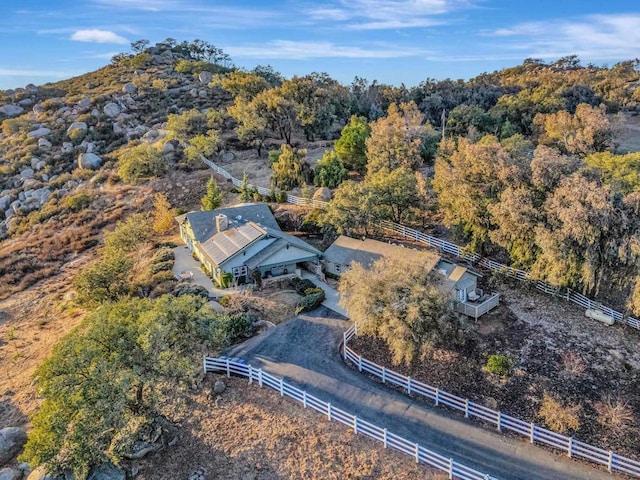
(213, 197)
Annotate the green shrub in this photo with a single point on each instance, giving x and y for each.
(161, 267)
(237, 325)
(186, 289)
(311, 291)
(282, 197)
(164, 254)
(310, 302)
(224, 300)
(77, 201)
(140, 162)
(499, 364)
(226, 279)
(301, 284)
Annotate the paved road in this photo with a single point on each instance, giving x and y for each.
(305, 350)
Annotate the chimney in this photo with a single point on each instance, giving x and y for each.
(222, 222)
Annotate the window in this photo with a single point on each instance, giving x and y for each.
(337, 268)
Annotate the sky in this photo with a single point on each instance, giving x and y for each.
(392, 41)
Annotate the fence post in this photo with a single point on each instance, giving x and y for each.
(610, 462)
(329, 411)
(260, 377)
(499, 421)
(437, 396)
(533, 433)
(282, 387)
(384, 375)
(304, 398)
(451, 468)
(570, 446)
(417, 450)
(408, 385)
(228, 370)
(466, 408)
(250, 374)
(359, 363)
(355, 424)
(204, 363)
(384, 437)
(355, 328)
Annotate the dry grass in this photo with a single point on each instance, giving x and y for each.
(615, 416)
(557, 416)
(271, 305)
(252, 433)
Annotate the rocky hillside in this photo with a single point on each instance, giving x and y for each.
(56, 136)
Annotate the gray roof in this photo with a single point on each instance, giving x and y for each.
(203, 224)
(226, 244)
(346, 250)
(282, 241)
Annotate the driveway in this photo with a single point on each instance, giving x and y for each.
(305, 350)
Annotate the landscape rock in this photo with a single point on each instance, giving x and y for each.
(219, 386)
(39, 132)
(198, 474)
(40, 165)
(205, 77)
(27, 173)
(77, 129)
(67, 147)
(12, 439)
(135, 132)
(95, 113)
(34, 161)
(10, 474)
(107, 471)
(37, 109)
(26, 102)
(44, 143)
(129, 88)
(5, 201)
(30, 87)
(84, 104)
(323, 194)
(112, 110)
(11, 110)
(41, 195)
(89, 161)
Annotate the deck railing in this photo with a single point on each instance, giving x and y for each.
(421, 454)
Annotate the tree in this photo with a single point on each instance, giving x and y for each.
(187, 124)
(141, 162)
(622, 172)
(549, 167)
(578, 244)
(468, 178)
(128, 235)
(291, 169)
(242, 84)
(202, 145)
(277, 111)
(397, 139)
(267, 72)
(400, 303)
(213, 197)
(587, 131)
(102, 382)
(163, 214)
(351, 146)
(329, 171)
(351, 209)
(139, 45)
(394, 193)
(104, 281)
(252, 128)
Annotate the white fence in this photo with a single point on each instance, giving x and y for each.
(359, 426)
(502, 422)
(460, 252)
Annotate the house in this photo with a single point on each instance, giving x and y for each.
(232, 243)
(461, 282)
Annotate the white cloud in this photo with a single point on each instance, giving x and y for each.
(18, 72)
(286, 49)
(98, 36)
(387, 14)
(590, 37)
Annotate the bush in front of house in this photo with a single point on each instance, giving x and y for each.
(311, 291)
(301, 284)
(310, 302)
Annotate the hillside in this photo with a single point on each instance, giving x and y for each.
(538, 168)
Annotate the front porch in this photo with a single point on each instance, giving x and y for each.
(481, 304)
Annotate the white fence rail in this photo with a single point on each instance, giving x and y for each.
(453, 249)
(359, 426)
(502, 421)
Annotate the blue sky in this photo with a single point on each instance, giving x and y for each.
(393, 41)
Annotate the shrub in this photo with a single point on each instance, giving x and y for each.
(224, 300)
(301, 284)
(311, 291)
(558, 417)
(310, 302)
(615, 416)
(237, 325)
(164, 254)
(142, 161)
(161, 267)
(186, 289)
(77, 201)
(499, 364)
